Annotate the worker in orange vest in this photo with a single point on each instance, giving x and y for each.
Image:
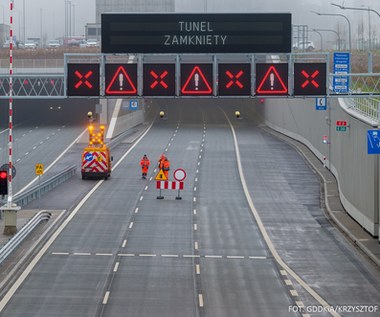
(144, 163)
(161, 161)
(166, 167)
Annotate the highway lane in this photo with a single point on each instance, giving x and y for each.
(127, 254)
(43, 129)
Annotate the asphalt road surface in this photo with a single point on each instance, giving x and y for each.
(126, 253)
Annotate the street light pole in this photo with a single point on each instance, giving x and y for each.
(320, 34)
(361, 9)
(328, 30)
(343, 16)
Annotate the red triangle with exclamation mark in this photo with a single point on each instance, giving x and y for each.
(190, 86)
(115, 87)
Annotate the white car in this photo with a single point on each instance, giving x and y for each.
(30, 44)
(307, 45)
(92, 43)
(54, 44)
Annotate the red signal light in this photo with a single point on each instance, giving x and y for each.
(3, 174)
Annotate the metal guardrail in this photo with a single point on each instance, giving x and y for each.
(46, 186)
(368, 107)
(16, 240)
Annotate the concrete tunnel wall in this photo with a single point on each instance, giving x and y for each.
(346, 155)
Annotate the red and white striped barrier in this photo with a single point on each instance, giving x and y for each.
(169, 185)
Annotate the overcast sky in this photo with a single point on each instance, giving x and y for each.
(53, 14)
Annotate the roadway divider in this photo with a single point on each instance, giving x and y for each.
(19, 237)
(36, 191)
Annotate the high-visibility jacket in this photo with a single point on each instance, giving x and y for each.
(145, 163)
(166, 168)
(161, 162)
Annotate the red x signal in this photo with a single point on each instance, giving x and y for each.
(310, 79)
(234, 79)
(159, 79)
(83, 79)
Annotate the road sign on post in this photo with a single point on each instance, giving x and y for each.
(341, 67)
(133, 104)
(39, 169)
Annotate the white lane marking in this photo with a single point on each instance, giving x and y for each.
(202, 145)
(34, 147)
(169, 144)
(235, 257)
(41, 142)
(201, 150)
(151, 178)
(194, 199)
(147, 255)
(283, 272)
(288, 282)
(199, 163)
(60, 253)
(169, 255)
(136, 210)
(195, 227)
(18, 160)
(195, 189)
(48, 137)
(203, 139)
(4, 131)
(53, 163)
(104, 254)
(24, 134)
(197, 171)
(124, 244)
(191, 256)
(196, 179)
(146, 187)
(196, 245)
(213, 256)
(141, 198)
(293, 292)
(126, 254)
(194, 211)
(258, 257)
(305, 315)
(166, 149)
(116, 266)
(81, 254)
(197, 269)
(54, 236)
(264, 232)
(131, 225)
(200, 156)
(300, 304)
(200, 298)
(155, 170)
(105, 299)
(26, 153)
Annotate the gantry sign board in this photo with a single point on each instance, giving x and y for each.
(196, 33)
(195, 79)
(189, 38)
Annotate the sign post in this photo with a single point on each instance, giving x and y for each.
(179, 175)
(39, 172)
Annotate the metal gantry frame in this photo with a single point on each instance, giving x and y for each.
(54, 86)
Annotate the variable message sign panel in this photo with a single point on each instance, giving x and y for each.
(196, 33)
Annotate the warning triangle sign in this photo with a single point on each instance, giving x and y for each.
(161, 176)
(121, 84)
(272, 83)
(196, 83)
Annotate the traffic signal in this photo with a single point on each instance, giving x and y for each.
(237, 114)
(162, 114)
(3, 183)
